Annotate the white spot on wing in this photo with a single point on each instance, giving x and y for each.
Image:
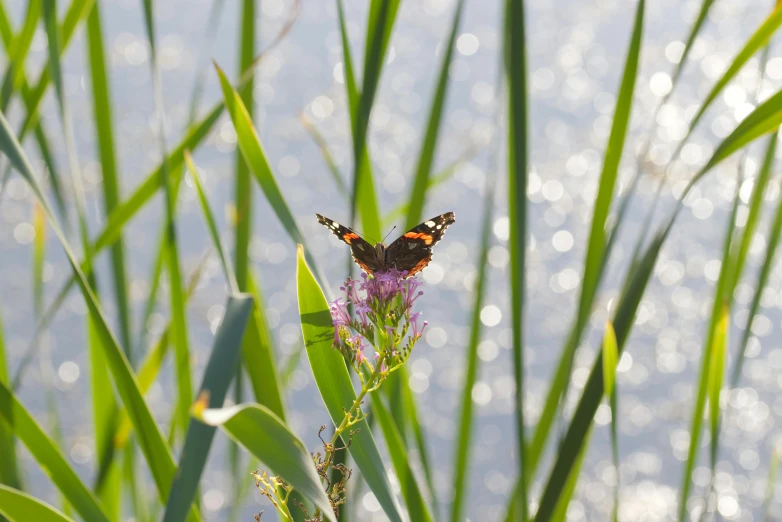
(439, 227)
(335, 225)
(429, 224)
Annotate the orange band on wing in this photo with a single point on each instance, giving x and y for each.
(420, 235)
(349, 236)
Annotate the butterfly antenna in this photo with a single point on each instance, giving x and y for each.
(389, 233)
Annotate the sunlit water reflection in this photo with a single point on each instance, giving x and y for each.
(576, 53)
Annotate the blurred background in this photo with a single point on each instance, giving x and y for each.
(576, 53)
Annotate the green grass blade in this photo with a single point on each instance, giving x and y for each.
(593, 390)
(716, 376)
(417, 507)
(267, 438)
(610, 360)
(755, 207)
(516, 73)
(49, 457)
(155, 450)
(560, 511)
(206, 209)
(420, 441)
(320, 141)
(773, 470)
(104, 131)
(18, 506)
(758, 39)
(368, 203)
(595, 253)
(255, 157)
(333, 381)
(382, 15)
(220, 370)
(763, 275)
(9, 468)
(21, 45)
(428, 147)
(461, 466)
(243, 182)
(259, 357)
(179, 334)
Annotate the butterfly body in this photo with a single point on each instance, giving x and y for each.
(410, 253)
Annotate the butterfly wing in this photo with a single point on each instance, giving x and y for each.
(413, 251)
(363, 252)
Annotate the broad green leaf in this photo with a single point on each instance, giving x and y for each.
(267, 438)
(220, 370)
(333, 381)
(18, 506)
(48, 455)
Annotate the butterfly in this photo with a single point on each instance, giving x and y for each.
(410, 253)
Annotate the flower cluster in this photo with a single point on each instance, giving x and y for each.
(382, 318)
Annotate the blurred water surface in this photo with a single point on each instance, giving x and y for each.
(576, 52)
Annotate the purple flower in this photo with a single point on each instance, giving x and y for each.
(351, 290)
(362, 309)
(409, 294)
(358, 347)
(417, 332)
(391, 331)
(384, 286)
(339, 313)
(384, 366)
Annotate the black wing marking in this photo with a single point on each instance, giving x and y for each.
(363, 252)
(413, 250)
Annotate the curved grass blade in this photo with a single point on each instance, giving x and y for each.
(16, 57)
(461, 469)
(516, 73)
(9, 470)
(49, 457)
(595, 253)
(220, 370)
(368, 209)
(610, 360)
(155, 450)
(102, 112)
(18, 506)
(243, 182)
(428, 147)
(336, 389)
(773, 470)
(758, 39)
(179, 333)
(323, 146)
(769, 112)
(417, 507)
(228, 270)
(763, 275)
(755, 207)
(267, 438)
(255, 157)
